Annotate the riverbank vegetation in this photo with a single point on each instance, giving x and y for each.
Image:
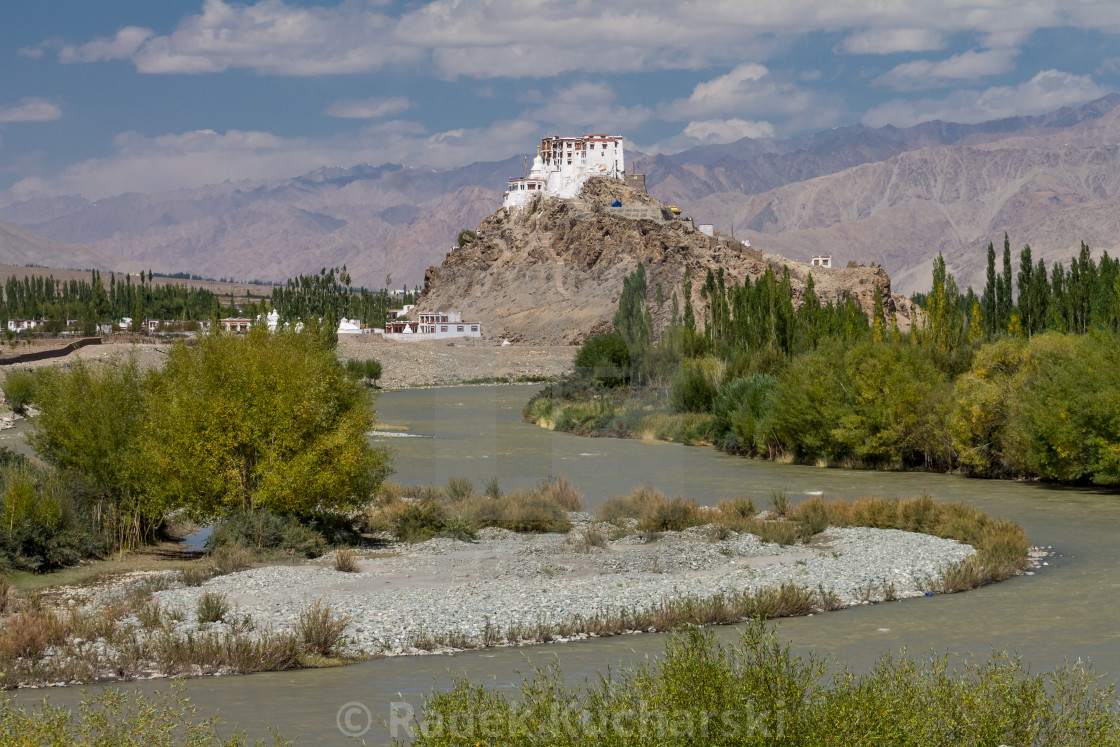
(991, 386)
(755, 691)
(112, 717)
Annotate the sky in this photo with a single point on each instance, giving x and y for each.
(101, 98)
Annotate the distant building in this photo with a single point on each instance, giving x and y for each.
(24, 325)
(707, 229)
(562, 166)
(821, 260)
(434, 326)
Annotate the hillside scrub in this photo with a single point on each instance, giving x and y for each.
(755, 691)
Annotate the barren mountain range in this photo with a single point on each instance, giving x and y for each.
(892, 196)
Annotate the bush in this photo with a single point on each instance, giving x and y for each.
(346, 561)
(749, 692)
(740, 413)
(692, 391)
(212, 607)
(20, 389)
(115, 717)
(459, 488)
(653, 510)
(419, 522)
(321, 631)
(517, 511)
(49, 521)
(266, 531)
(561, 492)
(604, 358)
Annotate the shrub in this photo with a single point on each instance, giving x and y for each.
(232, 559)
(459, 488)
(197, 575)
(418, 522)
(212, 607)
(812, 515)
(653, 510)
(493, 488)
(264, 530)
(740, 412)
(320, 630)
(561, 492)
(604, 358)
(692, 391)
(755, 688)
(518, 511)
(346, 561)
(49, 520)
(737, 514)
(20, 389)
(115, 717)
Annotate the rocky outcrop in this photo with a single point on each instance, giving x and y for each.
(552, 272)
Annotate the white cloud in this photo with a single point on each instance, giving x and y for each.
(30, 109)
(1046, 91)
(121, 46)
(889, 41)
(919, 74)
(539, 39)
(717, 131)
(372, 108)
(751, 90)
(202, 157)
(588, 106)
(272, 37)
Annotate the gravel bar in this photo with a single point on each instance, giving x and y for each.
(446, 586)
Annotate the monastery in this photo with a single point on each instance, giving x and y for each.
(563, 164)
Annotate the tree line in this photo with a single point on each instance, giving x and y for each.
(329, 295)
(1022, 380)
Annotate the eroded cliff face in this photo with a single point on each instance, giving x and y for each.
(552, 273)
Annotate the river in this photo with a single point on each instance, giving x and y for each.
(1070, 609)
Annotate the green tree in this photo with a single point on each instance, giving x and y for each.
(604, 357)
(91, 420)
(260, 421)
(1064, 422)
(632, 320)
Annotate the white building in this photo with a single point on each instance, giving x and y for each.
(432, 326)
(822, 260)
(350, 327)
(563, 164)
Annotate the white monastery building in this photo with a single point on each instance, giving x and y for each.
(821, 260)
(563, 164)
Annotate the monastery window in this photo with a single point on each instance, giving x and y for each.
(460, 328)
(443, 328)
(474, 328)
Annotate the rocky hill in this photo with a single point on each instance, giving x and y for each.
(552, 272)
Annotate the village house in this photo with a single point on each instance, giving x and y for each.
(431, 326)
(821, 260)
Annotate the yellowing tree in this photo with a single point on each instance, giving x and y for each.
(260, 421)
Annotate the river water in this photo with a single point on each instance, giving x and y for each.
(1070, 609)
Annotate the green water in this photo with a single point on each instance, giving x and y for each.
(1070, 609)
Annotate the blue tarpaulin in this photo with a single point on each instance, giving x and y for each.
(616, 203)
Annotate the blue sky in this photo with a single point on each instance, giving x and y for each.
(100, 98)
